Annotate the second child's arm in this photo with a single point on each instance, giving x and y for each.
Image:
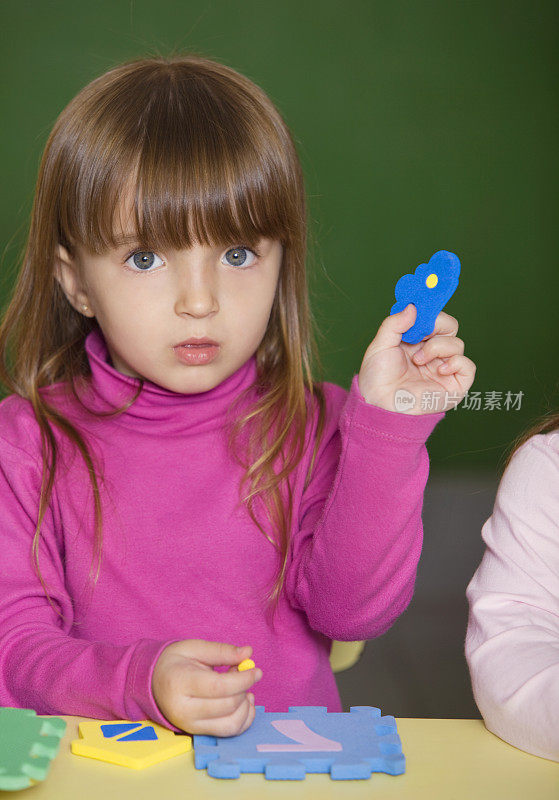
(512, 641)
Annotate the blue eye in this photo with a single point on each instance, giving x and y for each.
(143, 260)
(239, 258)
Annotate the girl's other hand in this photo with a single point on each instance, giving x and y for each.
(195, 698)
(394, 371)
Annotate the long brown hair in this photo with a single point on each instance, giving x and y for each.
(212, 161)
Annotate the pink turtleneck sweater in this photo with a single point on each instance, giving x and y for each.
(182, 558)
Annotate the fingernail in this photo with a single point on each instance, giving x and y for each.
(250, 697)
(258, 674)
(420, 355)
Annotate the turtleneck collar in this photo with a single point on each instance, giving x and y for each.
(175, 410)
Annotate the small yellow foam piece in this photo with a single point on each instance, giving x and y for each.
(113, 741)
(432, 280)
(248, 663)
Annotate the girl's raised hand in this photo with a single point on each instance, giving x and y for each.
(197, 699)
(395, 375)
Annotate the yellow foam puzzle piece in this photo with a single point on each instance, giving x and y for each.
(248, 663)
(129, 744)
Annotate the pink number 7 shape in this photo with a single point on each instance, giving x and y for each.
(297, 730)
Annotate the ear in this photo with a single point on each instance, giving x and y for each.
(67, 274)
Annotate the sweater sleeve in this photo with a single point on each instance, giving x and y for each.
(42, 665)
(354, 558)
(512, 641)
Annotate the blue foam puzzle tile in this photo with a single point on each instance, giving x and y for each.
(429, 289)
(306, 739)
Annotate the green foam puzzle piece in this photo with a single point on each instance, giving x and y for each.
(28, 744)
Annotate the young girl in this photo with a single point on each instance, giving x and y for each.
(170, 206)
(512, 642)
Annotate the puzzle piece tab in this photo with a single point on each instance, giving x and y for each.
(129, 744)
(306, 739)
(429, 289)
(28, 744)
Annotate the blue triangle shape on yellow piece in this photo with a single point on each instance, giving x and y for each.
(120, 727)
(146, 734)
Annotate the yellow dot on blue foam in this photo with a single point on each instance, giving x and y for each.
(432, 280)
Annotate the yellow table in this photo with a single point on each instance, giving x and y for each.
(446, 759)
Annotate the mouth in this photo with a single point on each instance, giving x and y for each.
(197, 353)
(198, 343)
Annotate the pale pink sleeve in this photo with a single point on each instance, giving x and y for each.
(512, 642)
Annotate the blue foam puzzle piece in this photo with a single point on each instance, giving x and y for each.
(306, 739)
(443, 270)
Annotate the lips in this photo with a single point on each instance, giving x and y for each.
(196, 355)
(198, 343)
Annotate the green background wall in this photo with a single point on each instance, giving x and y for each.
(421, 126)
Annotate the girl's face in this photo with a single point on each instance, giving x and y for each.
(146, 303)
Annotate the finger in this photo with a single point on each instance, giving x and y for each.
(215, 707)
(392, 327)
(458, 365)
(438, 347)
(217, 653)
(230, 725)
(445, 325)
(222, 684)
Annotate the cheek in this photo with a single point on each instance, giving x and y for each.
(128, 298)
(253, 307)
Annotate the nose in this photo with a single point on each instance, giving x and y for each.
(196, 295)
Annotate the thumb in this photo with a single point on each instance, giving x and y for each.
(218, 653)
(402, 320)
(392, 327)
